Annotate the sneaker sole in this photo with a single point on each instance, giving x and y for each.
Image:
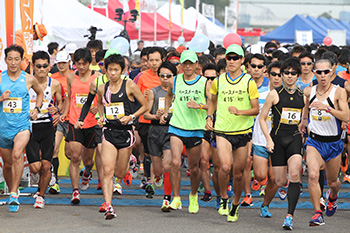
(267, 216)
(110, 216)
(246, 204)
(75, 201)
(287, 228)
(313, 224)
(13, 207)
(165, 209)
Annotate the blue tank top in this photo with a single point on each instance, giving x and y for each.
(14, 112)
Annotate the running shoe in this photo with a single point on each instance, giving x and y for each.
(53, 177)
(207, 197)
(149, 188)
(317, 220)
(247, 201)
(36, 195)
(344, 164)
(134, 171)
(223, 209)
(13, 202)
(109, 214)
(193, 204)
(127, 179)
(158, 181)
(264, 212)
(143, 182)
(102, 207)
(188, 173)
(262, 190)
(229, 189)
(165, 206)
(142, 169)
(75, 197)
(218, 201)
(85, 181)
(331, 207)
(322, 204)
(55, 189)
(282, 192)
(346, 178)
(176, 204)
(201, 188)
(327, 193)
(301, 188)
(255, 185)
(288, 223)
(118, 189)
(304, 168)
(99, 185)
(233, 215)
(39, 202)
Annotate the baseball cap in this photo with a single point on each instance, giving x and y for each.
(111, 52)
(188, 55)
(62, 56)
(70, 48)
(40, 31)
(235, 48)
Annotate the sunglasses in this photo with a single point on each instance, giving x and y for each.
(100, 63)
(323, 71)
(254, 66)
(306, 63)
(235, 58)
(274, 74)
(176, 63)
(41, 66)
(292, 73)
(165, 75)
(211, 77)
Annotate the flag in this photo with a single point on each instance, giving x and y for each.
(231, 16)
(208, 10)
(10, 15)
(182, 12)
(197, 12)
(26, 11)
(170, 14)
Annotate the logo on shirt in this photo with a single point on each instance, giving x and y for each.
(120, 95)
(22, 80)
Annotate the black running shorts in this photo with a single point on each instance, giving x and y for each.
(285, 147)
(85, 136)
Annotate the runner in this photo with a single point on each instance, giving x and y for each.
(285, 141)
(41, 145)
(235, 95)
(328, 104)
(15, 127)
(186, 125)
(158, 136)
(115, 103)
(78, 89)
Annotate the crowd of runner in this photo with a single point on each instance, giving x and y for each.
(228, 114)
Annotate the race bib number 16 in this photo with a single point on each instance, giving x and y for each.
(290, 116)
(12, 105)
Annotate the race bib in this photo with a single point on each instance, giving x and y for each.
(12, 105)
(115, 111)
(80, 100)
(290, 116)
(320, 115)
(269, 116)
(161, 105)
(43, 107)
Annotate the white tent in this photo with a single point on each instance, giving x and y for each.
(205, 26)
(68, 21)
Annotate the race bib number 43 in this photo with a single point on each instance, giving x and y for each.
(12, 105)
(80, 100)
(115, 111)
(290, 116)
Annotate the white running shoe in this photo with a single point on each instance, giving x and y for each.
(39, 202)
(85, 182)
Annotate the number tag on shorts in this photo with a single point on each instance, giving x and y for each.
(12, 105)
(320, 115)
(43, 107)
(80, 100)
(269, 116)
(115, 111)
(161, 105)
(290, 116)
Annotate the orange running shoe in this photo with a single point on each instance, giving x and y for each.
(99, 186)
(255, 185)
(344, 165)
(103, 207)
(247, 201)
(127, 179)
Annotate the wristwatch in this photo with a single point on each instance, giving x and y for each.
(37, 108)
(133, 117)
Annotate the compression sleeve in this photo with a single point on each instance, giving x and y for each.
(86, 107)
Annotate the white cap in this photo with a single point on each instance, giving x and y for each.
(70, 48)
(62, 56)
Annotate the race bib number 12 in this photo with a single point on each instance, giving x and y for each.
(115, 111)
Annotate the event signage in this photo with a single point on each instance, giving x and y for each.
(26, 9)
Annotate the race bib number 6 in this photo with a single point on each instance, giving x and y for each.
(115, 111)
(290, 116)
(12, 105)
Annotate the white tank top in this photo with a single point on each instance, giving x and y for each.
(321, 122)
(44, 115)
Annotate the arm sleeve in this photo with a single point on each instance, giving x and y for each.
(86, 107)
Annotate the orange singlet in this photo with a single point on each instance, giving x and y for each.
(79, 94)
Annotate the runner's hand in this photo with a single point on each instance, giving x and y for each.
(63, 118)
(5, 95)
(159, 113)
(209, 124)
(302, 126)
(34, 114)
(233, 110)
(78, 124)
(93, 110)
(55, 119)
(52, 109)
(163, 118)
(100, 122)
(270, 146)
(125, 120)
(318, 106)
(193, 104)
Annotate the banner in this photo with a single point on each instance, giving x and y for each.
(182, 13)
(10, 15)
(170, 25)
(338, 37)
(208, 10)
(26, 11)
(303, 37)
(231, 16)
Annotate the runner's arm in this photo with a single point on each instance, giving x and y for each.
(271, 99)
(148, 115)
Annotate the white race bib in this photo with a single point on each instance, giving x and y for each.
(115, 111)
(320, 115)
(161, 105)
(12, 105)
(80, 100)
(43, 107)
(290, 116)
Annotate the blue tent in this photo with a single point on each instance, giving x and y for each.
(318, 24)
(333, 24)
(345, 24)
(286, 32)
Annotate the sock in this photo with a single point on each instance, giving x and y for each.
(167, 197)
(331, 199)
(293, 194)
(55, 163)
(262, 205)
(248, 195)
(167, 184)
(318, 212)
(321, 181)
(208, 192)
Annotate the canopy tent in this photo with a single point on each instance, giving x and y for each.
(332, 24)
(204, 25)
(68, 21)
(286, 32)
(147, 24)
